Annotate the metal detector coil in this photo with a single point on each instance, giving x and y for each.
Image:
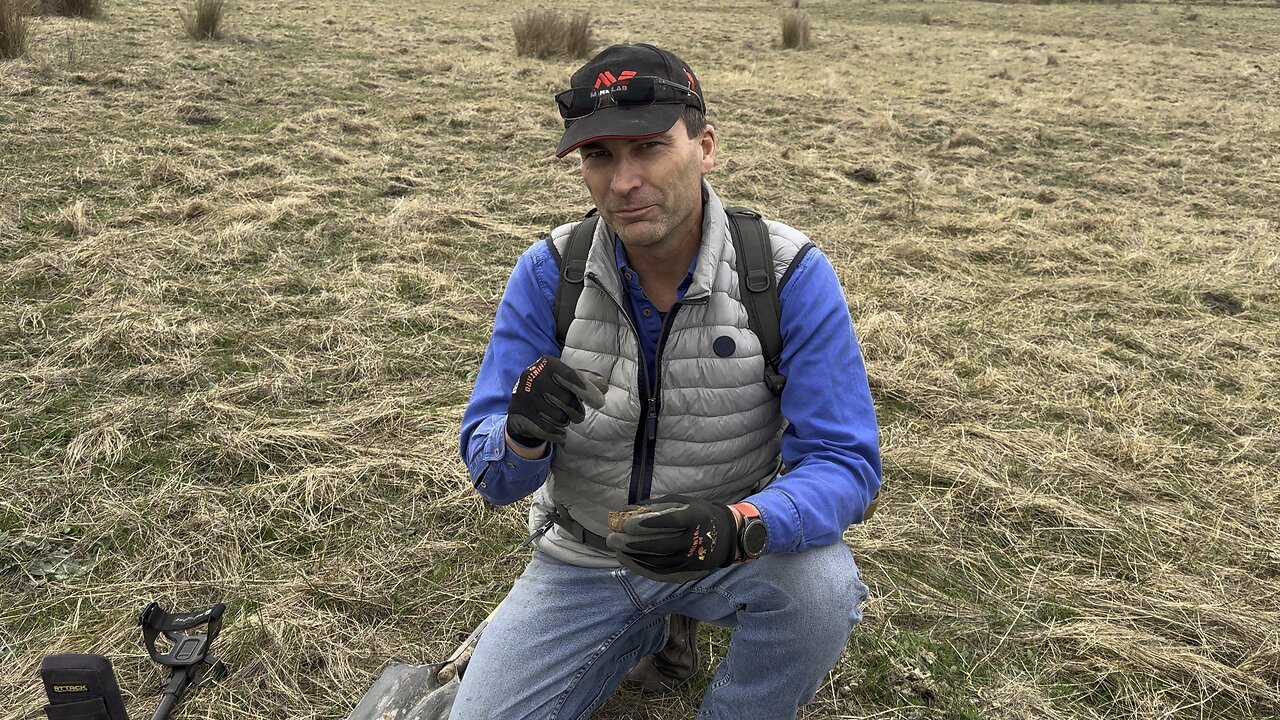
(188, 655)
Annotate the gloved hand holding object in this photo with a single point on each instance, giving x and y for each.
(548, 397)
(675, 538)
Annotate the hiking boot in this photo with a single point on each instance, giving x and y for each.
(674, 664)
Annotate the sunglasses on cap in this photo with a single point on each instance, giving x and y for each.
(577, 103)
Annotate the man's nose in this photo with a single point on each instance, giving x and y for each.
(626, 176)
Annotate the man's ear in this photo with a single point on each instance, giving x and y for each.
(708, 143)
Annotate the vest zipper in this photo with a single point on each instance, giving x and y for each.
(642, 457)
(645, 489)
(650, 414)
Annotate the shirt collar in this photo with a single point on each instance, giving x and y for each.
(620, 257)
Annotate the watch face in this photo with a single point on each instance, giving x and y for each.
(754, 537)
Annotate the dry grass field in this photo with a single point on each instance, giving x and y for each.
(245, 286)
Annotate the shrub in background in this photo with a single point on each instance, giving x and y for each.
(13, 30)
(81, 8)
(548, 33)
(202, 20)
(69, 8)
(795, 28)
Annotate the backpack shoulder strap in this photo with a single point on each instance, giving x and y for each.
(760, 287)
(573, 269)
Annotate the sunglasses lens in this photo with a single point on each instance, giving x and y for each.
(639, 91)
(575, 103)
(580, 102)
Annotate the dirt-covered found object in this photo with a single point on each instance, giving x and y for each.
(618, 517)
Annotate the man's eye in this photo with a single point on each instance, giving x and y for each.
(595, 154)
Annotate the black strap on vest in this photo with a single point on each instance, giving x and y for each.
(755, 271)
(560, 516)
(573, 269)
(759, 288)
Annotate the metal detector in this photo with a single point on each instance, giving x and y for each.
(81, 687)
(187, 657)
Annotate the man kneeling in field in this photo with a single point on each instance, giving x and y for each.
(654, 400)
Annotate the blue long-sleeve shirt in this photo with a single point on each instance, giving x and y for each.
(830, 443)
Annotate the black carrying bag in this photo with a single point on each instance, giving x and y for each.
(81, 687)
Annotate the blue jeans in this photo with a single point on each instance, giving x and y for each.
(566, 636)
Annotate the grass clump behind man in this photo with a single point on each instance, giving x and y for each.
(658, 404)
(13, 30)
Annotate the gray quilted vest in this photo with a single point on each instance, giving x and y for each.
(717, 430)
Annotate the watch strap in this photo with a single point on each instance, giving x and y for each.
(748, 513)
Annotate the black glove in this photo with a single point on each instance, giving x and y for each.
(679, 539)
(547, 397)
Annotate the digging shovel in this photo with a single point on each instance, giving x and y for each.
(418, 692)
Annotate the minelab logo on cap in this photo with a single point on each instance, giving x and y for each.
(70, 688)
(607, 79)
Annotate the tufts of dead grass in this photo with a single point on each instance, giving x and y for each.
(13, 30)
(75, 221)
(203, 19)
(962, 138)
(796, 29)
(236, 370)
(81, 8)
(68, 8)
(542, 33)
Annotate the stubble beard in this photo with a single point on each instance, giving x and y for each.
(646, 233)
(658, 231)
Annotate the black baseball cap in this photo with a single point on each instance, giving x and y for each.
(610, 73)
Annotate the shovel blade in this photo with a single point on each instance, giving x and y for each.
(416, 692)
(407, 692)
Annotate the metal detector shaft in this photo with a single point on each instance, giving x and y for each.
(167, 703)
(179, 679)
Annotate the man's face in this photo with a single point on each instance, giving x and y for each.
(649, 189)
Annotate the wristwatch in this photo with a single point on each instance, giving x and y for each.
(753, 536)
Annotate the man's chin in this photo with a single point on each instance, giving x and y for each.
(639, 234)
